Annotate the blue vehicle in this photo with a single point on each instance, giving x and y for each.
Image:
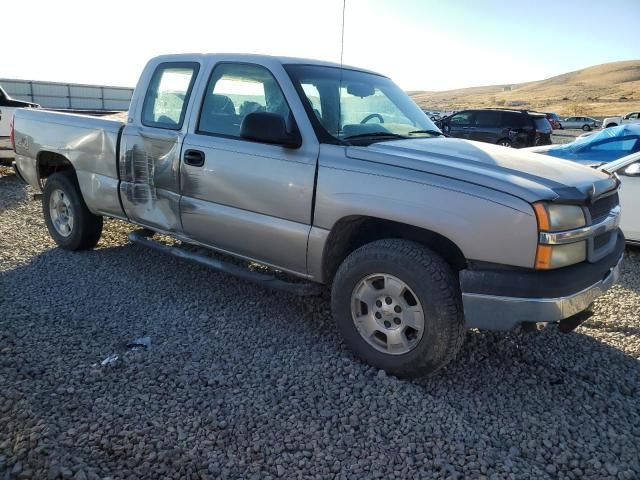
(605, 146)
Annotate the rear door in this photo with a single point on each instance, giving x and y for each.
(486, 126)
(243, 197)
(518, 128)
(150, 147)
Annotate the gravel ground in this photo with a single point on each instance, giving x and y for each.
(565, 135)
(245, 383)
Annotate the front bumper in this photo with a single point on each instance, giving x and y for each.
(490, 311)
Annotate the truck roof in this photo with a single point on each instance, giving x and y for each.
(254, 58)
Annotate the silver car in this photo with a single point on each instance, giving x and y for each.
(584, 123)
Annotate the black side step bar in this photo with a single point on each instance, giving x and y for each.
(142, 237)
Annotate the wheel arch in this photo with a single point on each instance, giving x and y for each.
(352, 232)
(48, 163)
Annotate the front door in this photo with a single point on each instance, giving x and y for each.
(150, 149)
(461, 124)
(243, 197)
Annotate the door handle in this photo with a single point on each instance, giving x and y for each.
(195, 158)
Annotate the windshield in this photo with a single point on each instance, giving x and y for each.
(349, 105)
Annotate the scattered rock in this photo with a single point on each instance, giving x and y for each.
(242, 382)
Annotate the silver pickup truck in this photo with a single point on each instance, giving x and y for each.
(333, 175)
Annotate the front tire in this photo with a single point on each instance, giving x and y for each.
(586, 128)
(398, 306)
(70, 223)
(503, 142)
(611, 125)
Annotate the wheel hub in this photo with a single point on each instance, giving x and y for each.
(61, 212)
(387, 314)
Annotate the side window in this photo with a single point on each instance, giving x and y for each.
(634, 116)
(167, 96)
(462, 118)
(235, 90)
(487, 119)
(513, 120)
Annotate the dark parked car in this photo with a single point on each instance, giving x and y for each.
(509, 128)
(554, 120)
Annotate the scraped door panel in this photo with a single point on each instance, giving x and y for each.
(149, 174)
(249, 199)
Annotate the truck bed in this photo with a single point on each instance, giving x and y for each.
(89, 143)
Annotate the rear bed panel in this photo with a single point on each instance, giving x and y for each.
(89, 143)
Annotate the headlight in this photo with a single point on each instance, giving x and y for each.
(557, 218)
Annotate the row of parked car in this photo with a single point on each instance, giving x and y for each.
(577, 122)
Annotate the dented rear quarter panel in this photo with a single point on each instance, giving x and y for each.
(89, 143)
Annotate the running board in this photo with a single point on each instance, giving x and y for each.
(141, 237)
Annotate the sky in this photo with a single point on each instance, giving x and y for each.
(420, 44)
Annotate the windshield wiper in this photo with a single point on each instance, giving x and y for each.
(374, 134)
(432, 132)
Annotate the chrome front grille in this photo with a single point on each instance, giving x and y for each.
(601, 208)
(603, 243)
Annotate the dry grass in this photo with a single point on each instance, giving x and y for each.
(602, 90)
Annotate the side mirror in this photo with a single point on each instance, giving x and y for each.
(269, 128)
(632, 170)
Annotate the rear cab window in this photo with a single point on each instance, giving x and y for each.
(167, 96)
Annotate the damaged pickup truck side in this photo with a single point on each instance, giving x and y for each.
(335, 176)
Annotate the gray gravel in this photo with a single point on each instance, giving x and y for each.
(240, 382)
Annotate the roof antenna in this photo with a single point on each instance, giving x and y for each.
(344, 7)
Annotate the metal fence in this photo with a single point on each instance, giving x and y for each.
(69, 96)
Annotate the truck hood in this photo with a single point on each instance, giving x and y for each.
(529, 176)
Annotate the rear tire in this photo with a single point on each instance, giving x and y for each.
(504, 142)
(70, 223)
(421, 329)
(586, 128)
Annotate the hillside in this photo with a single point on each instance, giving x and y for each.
(608, 89)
